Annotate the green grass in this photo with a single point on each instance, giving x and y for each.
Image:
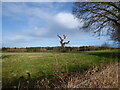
(15, 65)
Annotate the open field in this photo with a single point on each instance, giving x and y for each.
(44, 65)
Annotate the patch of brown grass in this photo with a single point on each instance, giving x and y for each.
(33, 56)
(97, 77)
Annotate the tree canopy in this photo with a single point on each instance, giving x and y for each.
(100, 17)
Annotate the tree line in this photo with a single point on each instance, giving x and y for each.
(54, 49)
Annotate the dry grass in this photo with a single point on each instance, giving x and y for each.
(34, 56)
(105, 77)
(60, 70)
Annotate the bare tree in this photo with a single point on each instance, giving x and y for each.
(62, 40)
(103, 16)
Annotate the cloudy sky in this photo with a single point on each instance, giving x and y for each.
(37, 24)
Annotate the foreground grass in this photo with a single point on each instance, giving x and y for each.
(44, 65)
(106, 77)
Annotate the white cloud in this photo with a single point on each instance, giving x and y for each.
(36, 31)
(22, 10)
(41, 25)
(17, 37)
(60, 0)
(67, 20)
(38, 0)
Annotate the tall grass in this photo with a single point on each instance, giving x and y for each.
(51, 67)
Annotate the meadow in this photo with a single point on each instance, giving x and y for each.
(45, 65)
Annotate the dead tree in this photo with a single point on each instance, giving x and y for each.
(62, 40)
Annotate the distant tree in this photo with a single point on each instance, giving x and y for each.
(4, 49)
(62, 40)
(106, 45)
(103, 16)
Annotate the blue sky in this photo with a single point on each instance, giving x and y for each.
(37, 24)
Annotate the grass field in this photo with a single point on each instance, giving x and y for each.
(15, 65)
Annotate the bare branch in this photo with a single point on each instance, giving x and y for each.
(115, 6)
(64, 36)
(109, 12)
(67, 42)
(101, 14)
(60, 37)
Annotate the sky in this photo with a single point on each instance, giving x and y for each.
(37, 24)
